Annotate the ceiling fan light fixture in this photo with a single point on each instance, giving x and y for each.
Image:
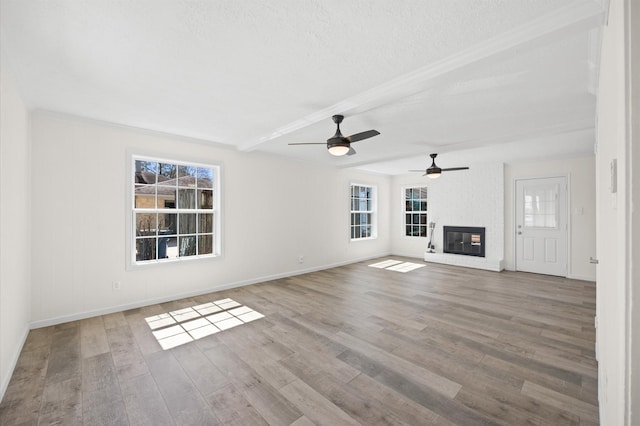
(338, 148)
(434, 173)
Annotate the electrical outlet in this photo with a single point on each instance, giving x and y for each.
(301, 259)
(116, 285)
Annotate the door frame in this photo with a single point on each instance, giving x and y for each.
(567, 177)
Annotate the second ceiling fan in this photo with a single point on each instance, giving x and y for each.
(340, 145)
(434, 171)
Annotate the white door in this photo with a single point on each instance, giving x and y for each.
(541, 225)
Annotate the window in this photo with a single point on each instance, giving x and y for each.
(415, 211)
(363, 207)
(176, 211)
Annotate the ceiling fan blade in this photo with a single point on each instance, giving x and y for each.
(416, 171)
(308, 143)
(351, 151)
(362, 135)
(455, 168)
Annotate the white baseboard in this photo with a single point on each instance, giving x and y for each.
(4, 384)
(146, 302)
(581, 277)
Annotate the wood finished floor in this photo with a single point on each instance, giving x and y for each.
(440, 345)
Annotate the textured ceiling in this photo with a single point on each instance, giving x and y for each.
(429, 75)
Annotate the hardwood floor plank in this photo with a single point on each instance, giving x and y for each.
(232, 408)
(271, 405)
(93, 337)
(23, 396)
(125, 352)
(144, 403)
(560, 400)
(404, 408)
(183, 400)
(440, 345)
(315, 406)
(62, 402)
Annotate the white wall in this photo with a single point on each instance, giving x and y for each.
(617, 280)
(582, 214)
(15, 226)
(471, 197)
(274, 210)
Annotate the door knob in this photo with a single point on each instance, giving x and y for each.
(519, 233)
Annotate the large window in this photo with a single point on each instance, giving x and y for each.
(363, 209)
(415, 211)
(175, 210)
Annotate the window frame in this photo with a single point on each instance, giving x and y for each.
(405, 211)
(216, 211)
(373, 212)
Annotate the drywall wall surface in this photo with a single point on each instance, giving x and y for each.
(273, 211)
(471, 197)
(15, 224)
(581, 209)
(613, 226)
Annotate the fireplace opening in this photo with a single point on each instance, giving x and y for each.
(465, 240)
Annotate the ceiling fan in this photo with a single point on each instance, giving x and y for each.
(340, 145)
(434, 171)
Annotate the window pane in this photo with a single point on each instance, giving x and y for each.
(167, 223)
(423, 206)
(408, 206)
(145, 171)
(145, 249)
(540, 206)
(423, 192)
(423, 219)
(366, 231)
(167, 174)
(205, 225)
(166, 197)
(187, 198)
(146, 224)
(187, 176)
(187, 246)
(145, 196)
(205, 177)
(205, 244)
(205, 199)
(187, 223)
(171, 247)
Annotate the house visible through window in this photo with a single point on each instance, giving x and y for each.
(363, 208)
(175, 210)
(415, 211)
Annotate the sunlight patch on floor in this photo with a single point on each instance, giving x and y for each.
(396, 265)
(182, 326)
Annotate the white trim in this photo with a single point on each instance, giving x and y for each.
(131, 157)
(403, 212)
(14, 361)
(119, 308)
(581, 277)
(373, 212)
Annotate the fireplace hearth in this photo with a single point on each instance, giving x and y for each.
(464, 240)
